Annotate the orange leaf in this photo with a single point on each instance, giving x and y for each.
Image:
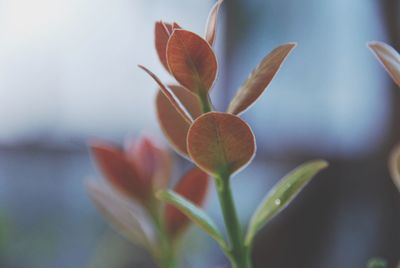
(220, 143)
(119, 172)
(259, 79)
(212, 22)
(191, 61)
(175, 128)
(171, 98)
(389, 57)
(194, 187)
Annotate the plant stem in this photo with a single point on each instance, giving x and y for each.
(166, 256)
(204, 101)
(239, 254)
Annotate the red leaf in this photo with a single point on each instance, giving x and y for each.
(169, 95)
(212, 23)
(194, 187)
(220, 143)
(119, 172)
(259, 79)
(162, 32)
(191, 61)
(171, 122)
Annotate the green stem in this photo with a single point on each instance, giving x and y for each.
(166, 256)
(239, 254)
(204, 101)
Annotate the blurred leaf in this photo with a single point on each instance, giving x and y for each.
(194, 213)
(281, 195)
(123, 216)
(259, 79)
(220, 143)
(191, 61)
(194, 187)
(212, 22)
(174, 127)
(172, 99)
(389, 58)
(377, 263)
(118, 171)
(153, 162)
(394, 166)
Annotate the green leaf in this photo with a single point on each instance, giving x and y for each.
(195, 214)
(281, 195)
(376, 263)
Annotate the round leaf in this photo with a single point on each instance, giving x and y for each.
(191, 61)
(220, 143)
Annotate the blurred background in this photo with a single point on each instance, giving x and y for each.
(68, 73)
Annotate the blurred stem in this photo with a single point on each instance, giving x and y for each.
(239, 255)
(166, 255)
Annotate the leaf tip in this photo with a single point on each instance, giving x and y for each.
(373, 44)
(292, 44)
(321, 164)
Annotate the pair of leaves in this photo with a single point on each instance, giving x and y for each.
(275, 201)
(163, 32)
